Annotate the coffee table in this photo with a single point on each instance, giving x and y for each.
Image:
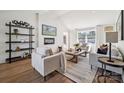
(104, 61)
(75, 55)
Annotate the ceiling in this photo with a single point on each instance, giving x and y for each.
(78, 19)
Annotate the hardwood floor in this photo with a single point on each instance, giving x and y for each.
(22, 72)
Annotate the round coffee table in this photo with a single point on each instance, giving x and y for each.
(104, 61)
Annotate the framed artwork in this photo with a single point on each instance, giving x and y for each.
(49, 41)
(64, 39)
(119, 26)
(49, 30)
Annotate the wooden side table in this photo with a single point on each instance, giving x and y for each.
(104, 61)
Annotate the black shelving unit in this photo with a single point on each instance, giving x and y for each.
(10, 42)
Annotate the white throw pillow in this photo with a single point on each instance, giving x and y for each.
(44, 51)
(114, 51)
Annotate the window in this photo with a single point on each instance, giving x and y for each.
(86, 37)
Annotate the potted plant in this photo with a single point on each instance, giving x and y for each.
(77, 46)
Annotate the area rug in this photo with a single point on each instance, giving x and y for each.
(80, 72)
(114, 78)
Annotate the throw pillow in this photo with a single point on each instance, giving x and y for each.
(103, 49)
(49, 52)
(114, 52)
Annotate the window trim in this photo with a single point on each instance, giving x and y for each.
(86, 35)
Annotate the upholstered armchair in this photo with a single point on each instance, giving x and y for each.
(47, 64)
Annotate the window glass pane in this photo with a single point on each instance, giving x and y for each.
(82, 37)
(86, 37)
(91, 37)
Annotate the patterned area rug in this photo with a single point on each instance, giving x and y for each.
(113, 78)
(80, 72)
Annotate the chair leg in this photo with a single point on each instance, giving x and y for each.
(91, 67)
(44, 78)
(85, 54)
(33, 68)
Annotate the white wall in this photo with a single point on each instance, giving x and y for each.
(73, 38)
(100, 35)
(52, 21)
(6, 16)
(36, 21)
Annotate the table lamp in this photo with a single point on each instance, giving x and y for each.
(111, 37)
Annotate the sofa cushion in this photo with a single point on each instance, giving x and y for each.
(114, 52)
(44, 51)
(49, 52)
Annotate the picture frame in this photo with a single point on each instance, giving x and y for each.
(49, 41)
(49, 30)
(119, 26)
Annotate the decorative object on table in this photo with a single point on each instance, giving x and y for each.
(59, 48)
(17, 48)
(49, 41)
(102, 49)
(77, 47)
(119, 26)
(111, 37)
(49, 30)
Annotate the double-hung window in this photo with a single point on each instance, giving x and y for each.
(86, 37)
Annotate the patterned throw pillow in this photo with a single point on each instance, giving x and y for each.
(49, 52)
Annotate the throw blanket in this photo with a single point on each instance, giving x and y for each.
(62, 63)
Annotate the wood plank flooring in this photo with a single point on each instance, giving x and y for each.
(22, 72)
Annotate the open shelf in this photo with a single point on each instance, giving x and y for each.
(22, 49)
(10, 42)
(20, 42)
(18, 26)
(13, 59)
(19, 34)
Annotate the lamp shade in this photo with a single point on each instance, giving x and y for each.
(112, 37)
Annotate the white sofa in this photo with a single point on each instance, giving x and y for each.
(46, 65)
(93, 61)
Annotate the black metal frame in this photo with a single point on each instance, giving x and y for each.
(53, 39)
(104, 72)
(10, 25)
